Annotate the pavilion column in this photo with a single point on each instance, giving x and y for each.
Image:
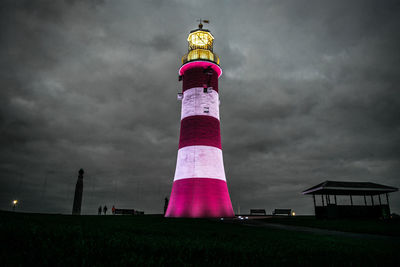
(315, 205)
(322, 197)
(372, 200)
(380, 202)
(351, 200)
(387, 201)
(335, 200)
(365, 200)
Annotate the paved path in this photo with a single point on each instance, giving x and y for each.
(257, 223)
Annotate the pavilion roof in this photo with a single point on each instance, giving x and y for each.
(349, 188)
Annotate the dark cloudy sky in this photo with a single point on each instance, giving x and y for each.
(310, 92)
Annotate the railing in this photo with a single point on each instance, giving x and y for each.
(200, 54)
(355, 211)
(204, 46)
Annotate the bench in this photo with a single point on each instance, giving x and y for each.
(128, 212)
(257, 212)
(287, 212)
(125, 211)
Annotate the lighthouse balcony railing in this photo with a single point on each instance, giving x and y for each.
(208, 46)
(200, 54)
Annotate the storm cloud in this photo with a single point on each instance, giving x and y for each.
(309, 93)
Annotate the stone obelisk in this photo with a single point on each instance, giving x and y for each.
(76, 209)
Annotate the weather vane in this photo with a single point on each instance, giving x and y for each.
(204, 21)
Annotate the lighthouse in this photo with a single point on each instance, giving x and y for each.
(199, 188)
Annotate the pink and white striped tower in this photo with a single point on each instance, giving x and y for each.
(199, 188)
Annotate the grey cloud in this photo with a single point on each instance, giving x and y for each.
(309, 92)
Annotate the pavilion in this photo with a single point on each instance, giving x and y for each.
(330, 191)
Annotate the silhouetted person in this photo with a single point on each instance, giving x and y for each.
(99, 210)
(105, 209)
(165, 205)
(113, 210)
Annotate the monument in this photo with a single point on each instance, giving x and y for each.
(76, 209)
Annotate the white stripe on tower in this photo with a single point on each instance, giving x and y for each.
(196, 102)
(199, 162)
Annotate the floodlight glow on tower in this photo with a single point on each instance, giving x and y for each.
(199, 188)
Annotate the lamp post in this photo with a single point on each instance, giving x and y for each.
(15, 202)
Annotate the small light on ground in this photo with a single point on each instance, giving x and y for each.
(293, 213)
(15, 202)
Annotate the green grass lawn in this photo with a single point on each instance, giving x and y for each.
(381, 227)
(29, 239)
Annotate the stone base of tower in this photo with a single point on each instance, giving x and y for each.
(200, 198)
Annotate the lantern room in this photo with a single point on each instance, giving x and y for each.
(200, 46)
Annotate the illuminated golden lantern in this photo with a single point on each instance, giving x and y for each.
(200, 46)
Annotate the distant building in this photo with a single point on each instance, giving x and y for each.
(328, 191)
(76, 209)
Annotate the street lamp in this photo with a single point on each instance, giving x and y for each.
(15, 202)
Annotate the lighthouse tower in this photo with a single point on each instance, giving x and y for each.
(199, 188)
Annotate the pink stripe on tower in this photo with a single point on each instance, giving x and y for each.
(200, 188)
(200, 130)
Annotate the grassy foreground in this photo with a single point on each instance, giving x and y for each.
(379, 227)
(62, 240)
